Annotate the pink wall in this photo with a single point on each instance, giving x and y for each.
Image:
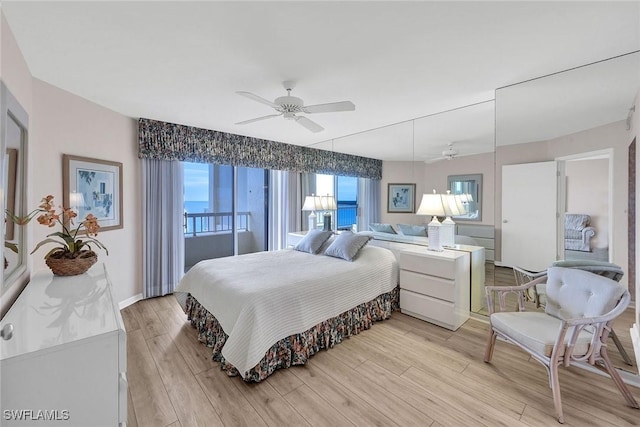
(13, 67)
(402, 173)
(67, 124)
(63, 123)
(588, 193)
(436, 174)
(613, 135)
(17, 78)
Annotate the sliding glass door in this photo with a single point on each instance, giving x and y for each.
(225, 211)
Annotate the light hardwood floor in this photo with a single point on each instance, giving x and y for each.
(401, 372)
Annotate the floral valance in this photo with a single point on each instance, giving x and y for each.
(169, 141)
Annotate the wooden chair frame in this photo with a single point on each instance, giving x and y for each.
(563, 354)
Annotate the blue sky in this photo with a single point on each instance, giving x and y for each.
(196, 183)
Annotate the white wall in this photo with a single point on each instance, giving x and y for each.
(588, 193)
(63, 123)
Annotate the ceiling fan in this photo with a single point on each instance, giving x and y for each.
(289, 106)
(447, 154)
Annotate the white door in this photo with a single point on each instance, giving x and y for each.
(529, 215)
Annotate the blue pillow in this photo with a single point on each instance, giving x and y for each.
(312, 242)
(412, 230)
(347, 245)
(382, 228)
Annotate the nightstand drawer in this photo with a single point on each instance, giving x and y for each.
(433, 266)
(429, 309)
(429, 285)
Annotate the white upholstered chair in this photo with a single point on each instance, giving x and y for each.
(538, 293)
(579, 310)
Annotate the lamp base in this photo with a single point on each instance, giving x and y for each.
(433, 234)
(327, 222)
(312, 221)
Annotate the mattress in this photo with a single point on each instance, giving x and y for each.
(263, 297)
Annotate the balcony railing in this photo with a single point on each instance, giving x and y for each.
(214, 222)
(347, 213)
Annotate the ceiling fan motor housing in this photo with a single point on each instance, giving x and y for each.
(289, 104)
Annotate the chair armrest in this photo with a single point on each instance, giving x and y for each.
(600, 327)
(588, 233)
(502, 291)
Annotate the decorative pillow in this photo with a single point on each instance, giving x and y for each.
(412, 230)
(347, 245)
(382, 228)
(312, 242)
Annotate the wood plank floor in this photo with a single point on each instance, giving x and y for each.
(401, 372)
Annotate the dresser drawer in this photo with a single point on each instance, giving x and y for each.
(428, 285)
(430, 309)
(433, 266)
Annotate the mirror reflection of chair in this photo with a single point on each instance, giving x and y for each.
(537, 294)
(580, 308)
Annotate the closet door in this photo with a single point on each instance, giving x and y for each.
(529, 215)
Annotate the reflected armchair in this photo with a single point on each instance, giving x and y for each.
(574, 327)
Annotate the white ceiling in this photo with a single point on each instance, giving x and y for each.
(182, 62)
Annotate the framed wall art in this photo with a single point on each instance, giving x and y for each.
(92, 186)
(401, 198)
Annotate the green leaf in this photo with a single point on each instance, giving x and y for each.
(45, 241)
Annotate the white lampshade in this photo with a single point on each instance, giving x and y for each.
(312, 203)
(328, 203)
(451, 207)
(462, 208)
(432, 204)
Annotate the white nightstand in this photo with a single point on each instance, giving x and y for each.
(434, 286)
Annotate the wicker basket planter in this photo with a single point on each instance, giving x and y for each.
(62, 266)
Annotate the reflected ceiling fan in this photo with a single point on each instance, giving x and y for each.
(289, 106)
(447, 154)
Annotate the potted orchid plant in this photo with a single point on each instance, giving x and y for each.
(74, 242)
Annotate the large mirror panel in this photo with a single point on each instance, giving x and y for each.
(561, 177)
(15, 123)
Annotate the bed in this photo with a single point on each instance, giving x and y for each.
(269, 310)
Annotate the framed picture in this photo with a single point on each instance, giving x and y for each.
(11, 168)
(92, 186)
(401, 198)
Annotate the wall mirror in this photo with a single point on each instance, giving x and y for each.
(562, 149)
(469, 188)
(15, 125)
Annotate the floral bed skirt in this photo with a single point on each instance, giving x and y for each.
(295, 349)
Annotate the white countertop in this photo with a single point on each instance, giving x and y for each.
(53, 311)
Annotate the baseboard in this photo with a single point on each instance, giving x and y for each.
(126, 303)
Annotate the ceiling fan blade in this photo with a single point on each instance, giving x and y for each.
(257, 98)
(258, 119)
(330, 107)
(309, 124)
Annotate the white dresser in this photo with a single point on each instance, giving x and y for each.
(435, 286)
(66, 361)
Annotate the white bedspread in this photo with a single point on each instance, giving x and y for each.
(263, 297)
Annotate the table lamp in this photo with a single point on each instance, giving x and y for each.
(432, 204)
(448, 227)
(312, 203)
(328, 204)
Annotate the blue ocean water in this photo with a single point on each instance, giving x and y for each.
(196, 206)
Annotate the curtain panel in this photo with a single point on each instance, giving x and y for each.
(162, 226)
(170, 141)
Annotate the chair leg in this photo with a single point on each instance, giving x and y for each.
(555, 389)
(621, 349)
(615, 376)
(488, 353)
